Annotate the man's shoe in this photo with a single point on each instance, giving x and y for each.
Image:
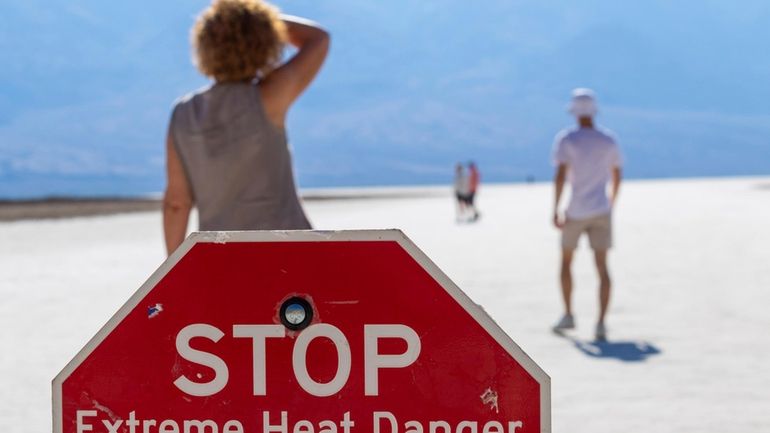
(566, 322)
(601, 332)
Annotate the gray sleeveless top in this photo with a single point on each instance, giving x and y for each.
(236, 161)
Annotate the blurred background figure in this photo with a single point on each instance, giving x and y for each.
(466, 183)
(227, 151)
(474, 179)
(461, 187)
(587, 157)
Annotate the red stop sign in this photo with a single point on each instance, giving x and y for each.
(301, 332)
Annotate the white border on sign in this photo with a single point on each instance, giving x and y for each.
(313, 236)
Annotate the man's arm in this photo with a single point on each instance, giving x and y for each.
(558, 182)
(177, 201)
(617, 177)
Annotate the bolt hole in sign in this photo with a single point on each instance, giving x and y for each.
(300, 332)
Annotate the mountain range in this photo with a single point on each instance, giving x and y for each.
(410, 88)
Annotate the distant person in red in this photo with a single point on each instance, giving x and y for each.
(474, 179)
(227, 150)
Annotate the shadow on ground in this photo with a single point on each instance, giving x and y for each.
(626, 351)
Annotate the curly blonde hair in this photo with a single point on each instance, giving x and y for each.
(237, 40)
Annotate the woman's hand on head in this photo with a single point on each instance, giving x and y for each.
(281, 87)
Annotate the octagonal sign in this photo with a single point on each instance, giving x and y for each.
(301, 332)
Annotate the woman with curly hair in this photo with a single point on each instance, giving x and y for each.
(227, 152)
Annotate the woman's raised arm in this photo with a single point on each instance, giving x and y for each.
(281, 87)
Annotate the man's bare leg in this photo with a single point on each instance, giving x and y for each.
(567, 321)
(566, 280)
(604, 283)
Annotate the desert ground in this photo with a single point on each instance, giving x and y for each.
(689, 325)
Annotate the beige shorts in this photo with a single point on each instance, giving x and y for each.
(598, 228)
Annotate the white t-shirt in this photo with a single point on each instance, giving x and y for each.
(590, 155)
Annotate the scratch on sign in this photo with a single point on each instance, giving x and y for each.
(324, 234)
(221, 238)
(490, 397)
(154, 310)
(105, 409)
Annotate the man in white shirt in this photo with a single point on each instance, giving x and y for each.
(588, 158)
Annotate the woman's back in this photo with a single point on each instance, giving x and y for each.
(226, 150)
(238, 163)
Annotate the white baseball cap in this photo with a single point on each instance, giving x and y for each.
(583, 103)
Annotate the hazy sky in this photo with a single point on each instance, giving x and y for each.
(410, 88)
